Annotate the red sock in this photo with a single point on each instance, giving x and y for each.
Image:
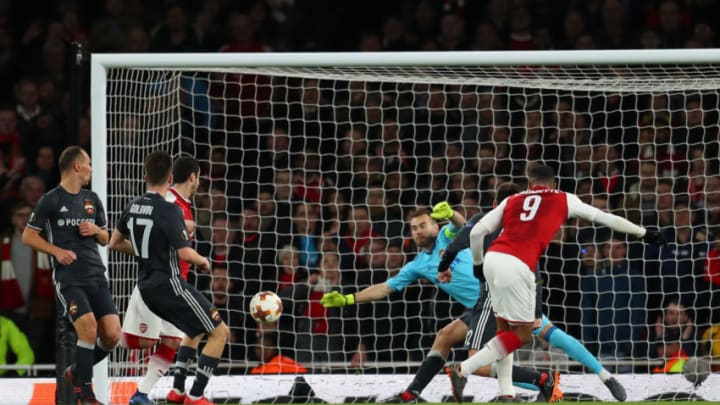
(509, 341)
(166, 353)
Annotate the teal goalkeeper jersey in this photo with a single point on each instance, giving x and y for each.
(464, 287)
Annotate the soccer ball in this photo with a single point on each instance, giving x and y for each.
(266, 307)
(696, 370)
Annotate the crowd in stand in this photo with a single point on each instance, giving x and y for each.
(307, 183)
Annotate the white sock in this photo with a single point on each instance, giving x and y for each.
(493, 370)
(157, 367)
(486, 355)
(604, 375)
(504, 375)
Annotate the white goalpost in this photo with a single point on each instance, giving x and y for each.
(313, 156)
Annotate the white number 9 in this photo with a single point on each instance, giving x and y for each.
(530, 207)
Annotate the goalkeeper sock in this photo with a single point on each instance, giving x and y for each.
(429, 368)
(184, 355)
(527, 378)
(558, 338)
(157, 366)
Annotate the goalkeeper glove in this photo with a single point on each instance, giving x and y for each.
(442, 210)
(334, 299)
(654, 238)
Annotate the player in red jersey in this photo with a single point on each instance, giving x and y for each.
(529, 221)
(142, 329)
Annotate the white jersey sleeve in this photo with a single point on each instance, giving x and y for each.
(578, 209)
(491, 222)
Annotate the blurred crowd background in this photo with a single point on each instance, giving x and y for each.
(307, 183)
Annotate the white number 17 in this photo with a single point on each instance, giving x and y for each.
(146, 224)
(530, 207)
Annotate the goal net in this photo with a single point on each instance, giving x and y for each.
(311, 165)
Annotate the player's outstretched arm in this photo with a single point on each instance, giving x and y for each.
(579, 209)
(119, 242)
(375, 292)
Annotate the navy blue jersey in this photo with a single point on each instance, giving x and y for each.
(156, 230)
(58, 214)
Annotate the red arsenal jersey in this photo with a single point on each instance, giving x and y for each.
(530, 221)
(176, 198)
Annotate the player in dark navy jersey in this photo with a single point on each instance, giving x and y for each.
(68, 223)
(153, 230)
(143, 329)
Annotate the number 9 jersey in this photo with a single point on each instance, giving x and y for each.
(529, 222)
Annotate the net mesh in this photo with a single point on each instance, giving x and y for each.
(309, 175)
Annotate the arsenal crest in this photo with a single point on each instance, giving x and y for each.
(215, 315)
(143, 327)
(72, 308)
(89, 208)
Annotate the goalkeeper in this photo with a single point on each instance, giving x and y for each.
(549, 332)
(475, 326)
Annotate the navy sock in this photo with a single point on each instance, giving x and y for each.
(206, 367)
(180, 369)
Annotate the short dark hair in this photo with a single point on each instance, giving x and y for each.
(541, 173)
(158, 167)
(69, 156)
(507, 189)
(182, 169)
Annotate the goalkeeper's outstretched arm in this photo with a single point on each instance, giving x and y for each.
(375, 292)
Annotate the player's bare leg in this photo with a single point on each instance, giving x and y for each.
(186, 352)
(80, 373)
(508, 339)
(109, 331)
(209, 358)
(447, 337)
(208, 361)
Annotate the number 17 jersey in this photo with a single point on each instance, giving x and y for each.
(156, 230)
(529, 222)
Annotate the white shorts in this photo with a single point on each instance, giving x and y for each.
(142, 322)
(512, 287)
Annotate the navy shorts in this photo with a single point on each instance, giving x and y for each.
(78, 300)
(180, 304)
(480, 321)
